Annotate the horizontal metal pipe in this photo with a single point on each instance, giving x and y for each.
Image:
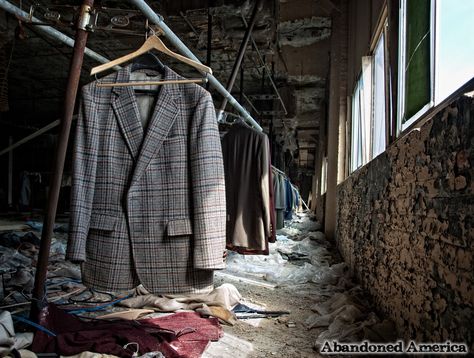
(158, 20)
(48, 30)
(30, 137)
(148, 12)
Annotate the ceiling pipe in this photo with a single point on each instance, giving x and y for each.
(47, 30)
(153, 17)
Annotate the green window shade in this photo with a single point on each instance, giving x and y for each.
(417, 59)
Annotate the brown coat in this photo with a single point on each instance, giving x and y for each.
(246, 166)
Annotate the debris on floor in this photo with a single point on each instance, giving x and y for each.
(286, 303)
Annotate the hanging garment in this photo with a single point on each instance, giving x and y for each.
(272, 237)
(147, 205)
(246, 166)
(288, 199)
(25, 190)
(273, 219)
(280, 199)
(297, 199)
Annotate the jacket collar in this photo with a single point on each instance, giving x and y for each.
(144, 144)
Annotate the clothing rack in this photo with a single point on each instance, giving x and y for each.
(282, 173)
(83, 27)
(153, 17)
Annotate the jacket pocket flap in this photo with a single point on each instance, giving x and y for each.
(179, 227)
(103, 222)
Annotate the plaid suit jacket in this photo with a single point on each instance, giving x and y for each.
(148, 205)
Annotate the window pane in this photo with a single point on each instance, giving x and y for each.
(455, 50)
(417, 56)
(366, 108)
(379, 99)
(356, 154)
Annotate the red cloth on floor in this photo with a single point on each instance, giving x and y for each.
(190, 345)
(187, 336)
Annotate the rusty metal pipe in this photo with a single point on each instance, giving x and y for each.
(69, 102)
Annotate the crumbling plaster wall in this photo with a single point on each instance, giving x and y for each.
(406, 227)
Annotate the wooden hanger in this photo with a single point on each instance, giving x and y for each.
(152, 43)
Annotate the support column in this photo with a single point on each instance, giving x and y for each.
(10, 174)
(337, 103)
(69, 102)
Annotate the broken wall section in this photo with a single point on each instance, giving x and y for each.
(406, 228)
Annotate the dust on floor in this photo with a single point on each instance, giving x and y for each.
(305, 276)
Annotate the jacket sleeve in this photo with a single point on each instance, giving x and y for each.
(84, 165)
(208, 188)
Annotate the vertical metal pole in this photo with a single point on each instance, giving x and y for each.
(70, 99)
(241, 84)
(209, 37)
(10, 174)
(240, 55)
(270, 129)
(265, 68)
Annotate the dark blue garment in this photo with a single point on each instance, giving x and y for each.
(297, 199)
(288, 200)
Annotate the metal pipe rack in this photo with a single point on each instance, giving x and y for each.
(175, 41)
(80, 49)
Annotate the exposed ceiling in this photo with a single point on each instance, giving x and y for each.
(292, 37)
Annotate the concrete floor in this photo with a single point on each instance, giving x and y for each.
(289, 335)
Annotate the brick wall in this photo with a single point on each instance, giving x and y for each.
(406, 227)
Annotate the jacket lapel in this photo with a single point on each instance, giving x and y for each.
(163, 117)
(126, 111)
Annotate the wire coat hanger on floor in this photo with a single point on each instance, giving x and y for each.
(152, 43)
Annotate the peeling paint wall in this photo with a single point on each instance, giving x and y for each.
(406, 228)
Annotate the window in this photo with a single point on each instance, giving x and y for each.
(454, 46)
(324, 175)
(361, 115)
(379, 97)
(436, 54)
(368, 138)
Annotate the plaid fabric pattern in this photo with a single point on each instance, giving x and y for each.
(147, 205)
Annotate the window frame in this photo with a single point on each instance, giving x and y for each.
(354, 164)
(402, 38)
(382, 34)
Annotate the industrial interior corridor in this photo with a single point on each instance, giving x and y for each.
(250, 178)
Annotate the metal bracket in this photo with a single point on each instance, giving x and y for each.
(86, 21)
(91, 19)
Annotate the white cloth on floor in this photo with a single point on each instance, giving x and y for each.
(226, 296)
(8, 339)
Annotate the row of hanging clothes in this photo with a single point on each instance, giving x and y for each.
(258, 196)
(287, 197)
(157, 195)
